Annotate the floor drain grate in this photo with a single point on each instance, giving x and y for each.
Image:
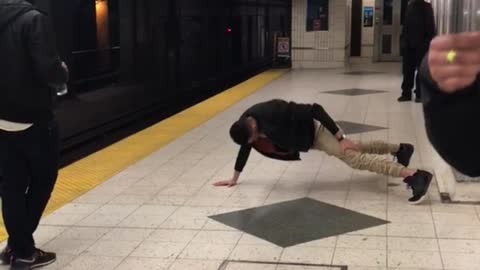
(247, 265)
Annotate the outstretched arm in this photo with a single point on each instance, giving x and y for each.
(322, 116)
(242, 159)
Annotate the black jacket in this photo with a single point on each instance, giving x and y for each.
(28, 63)
(453, 123)
(288, 125)
(419, 26)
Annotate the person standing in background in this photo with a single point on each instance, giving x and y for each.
(417, 33)
(29, 67)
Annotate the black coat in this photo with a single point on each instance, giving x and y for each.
(29, 63)
(288, 125)
(419, 26)
(453, 123)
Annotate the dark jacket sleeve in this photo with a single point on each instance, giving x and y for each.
(430, 23)
(404, 31)
(450, 122)
(41, 45)
(322, 116)
(403, 41)
(405, 28)
(242, 157)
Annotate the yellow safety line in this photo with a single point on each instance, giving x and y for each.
(84, 175)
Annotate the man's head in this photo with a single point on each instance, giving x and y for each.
(244, 131)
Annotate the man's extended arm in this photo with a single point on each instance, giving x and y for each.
(322, 116)
(242, 159)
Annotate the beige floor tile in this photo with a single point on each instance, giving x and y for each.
(411, 230)
(161, 250)
(207, 251)
(256, 253)
(182, 264)
(144, 264)
(94, 263)
(413, 244)
(311, 255)
(362, 242)
(419, 259)
(359, 257)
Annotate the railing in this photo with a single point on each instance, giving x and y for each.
(95, 50)
(95, 62)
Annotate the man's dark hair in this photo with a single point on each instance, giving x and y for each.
(240, 132)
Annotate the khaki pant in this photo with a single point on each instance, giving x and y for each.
(365, 159)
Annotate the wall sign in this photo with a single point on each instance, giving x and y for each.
(367, 16)
(283, 47)
(317, 15)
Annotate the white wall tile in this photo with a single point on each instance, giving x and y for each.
(324, 43)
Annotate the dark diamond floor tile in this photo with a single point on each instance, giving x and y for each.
(354, 92)
(355, 128)
(294, 222)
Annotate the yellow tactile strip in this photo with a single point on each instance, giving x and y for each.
(84, 175)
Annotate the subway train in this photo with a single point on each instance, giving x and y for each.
(132, 60)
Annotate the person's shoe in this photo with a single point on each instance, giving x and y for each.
(39, 258)
(404, 154)
(418, 99)
(419, 182)
(404, 98)
(6, 256)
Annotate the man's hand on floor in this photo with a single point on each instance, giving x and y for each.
(226, 183)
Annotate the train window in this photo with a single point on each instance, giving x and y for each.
(403, 10)
(261, 36)
(96, 43)
(387, 12)
(387, 44)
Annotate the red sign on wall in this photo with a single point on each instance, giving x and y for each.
(317, 25)
(283, 47)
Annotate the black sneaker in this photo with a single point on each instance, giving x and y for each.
(419, 182)
(418, 99)
(404, 98)
(404, 154)
(6, 256)
(39, 258)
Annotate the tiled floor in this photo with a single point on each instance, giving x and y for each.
(155, 214)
